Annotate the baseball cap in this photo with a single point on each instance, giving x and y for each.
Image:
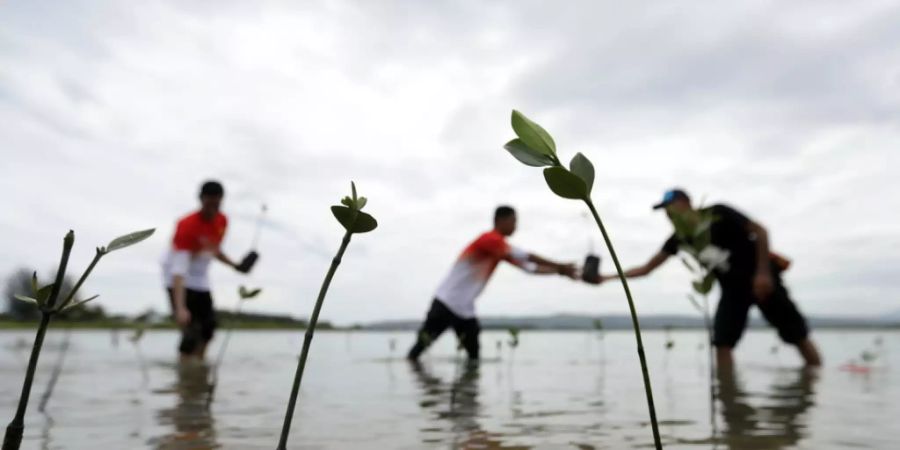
(670, 196)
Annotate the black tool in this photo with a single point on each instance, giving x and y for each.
(591, 271)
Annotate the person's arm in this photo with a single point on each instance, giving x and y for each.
(182, 314)
(546, 266)
(225, 259)
(762, 281)
(657, 260)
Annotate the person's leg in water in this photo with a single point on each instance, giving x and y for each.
(467, 331)
(437, 320)
(728, 327)
(783, 314)
(196, 336)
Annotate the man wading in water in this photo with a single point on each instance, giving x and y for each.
(454, 303)
(739, 256)
(186, 270)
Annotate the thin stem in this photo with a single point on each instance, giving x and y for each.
(712, 366)
(13, 438)
(84, 276)
(637, 326)
(15, 429)
(57, 370)
(214, 377)
(307, 340)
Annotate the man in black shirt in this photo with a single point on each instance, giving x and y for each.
(735, 250)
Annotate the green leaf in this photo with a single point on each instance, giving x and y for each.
(361, 202)
(705, 285)
(247, 294)
(43, 294)
(527, 155)
(128, 239)
(79, 303)
(532, 134)
(354, 221)
(27, 299)
(34, 283)
(353, 189)
(565, 184)
(582, 167)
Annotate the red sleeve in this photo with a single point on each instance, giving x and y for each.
(492, 245)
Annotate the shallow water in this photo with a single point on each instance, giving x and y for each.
(556, 390)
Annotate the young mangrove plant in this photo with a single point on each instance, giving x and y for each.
(244, 294)
(535, 147)
(135, 340)
(48, 300)
(350, 215)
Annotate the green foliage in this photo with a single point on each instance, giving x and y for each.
(532, 134)
(350, 215)
(526, 155)
(247, 294)
(128, 240)
(584, 169)
(565, 184)
(704, 285)
(513, 337)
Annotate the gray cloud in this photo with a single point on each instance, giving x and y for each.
(112, 114)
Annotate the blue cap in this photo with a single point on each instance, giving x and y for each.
(670, 196)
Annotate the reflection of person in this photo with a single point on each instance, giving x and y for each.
(739, 257)
(777, 424)
(197, 241)
(454, 303)
(191, 418)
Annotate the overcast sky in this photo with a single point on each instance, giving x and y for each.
(112, 114)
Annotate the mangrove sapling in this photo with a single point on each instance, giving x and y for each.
(535, 147)
(349, 214)
(135, 340)
(670, 343)
(47, 298)
(244, 294)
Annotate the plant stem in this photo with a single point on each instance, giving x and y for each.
(84, 276)
(16, 428)
(13, 438)
(57, 370)
(712, 366)
(637, 326)
(214, 377)
(307, 341)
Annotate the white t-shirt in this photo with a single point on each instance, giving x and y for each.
(193, 267)
(471, 272)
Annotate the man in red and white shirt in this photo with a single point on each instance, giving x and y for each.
(197, 241)
(454, 303)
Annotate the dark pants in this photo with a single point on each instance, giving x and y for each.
(439, 318)
(778, 310)
(203, 320)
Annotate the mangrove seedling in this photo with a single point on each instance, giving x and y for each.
(350, 215)
(48, 300)
(513, 337)
(244, 294)
(135, 340)
(535, 147)
(670, 343)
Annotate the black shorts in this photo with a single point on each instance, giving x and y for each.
(203, 319)
(440, 318)
(778, 310)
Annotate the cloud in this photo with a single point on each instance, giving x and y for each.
(111, 115)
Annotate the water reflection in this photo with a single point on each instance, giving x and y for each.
(190, 417)
(775, 419)
(456, 404)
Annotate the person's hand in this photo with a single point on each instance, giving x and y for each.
(182, 317)
(568, 270)
(762, 286)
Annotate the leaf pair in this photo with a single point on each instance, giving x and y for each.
(247, 294)
(350, 215)
(535, 147)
